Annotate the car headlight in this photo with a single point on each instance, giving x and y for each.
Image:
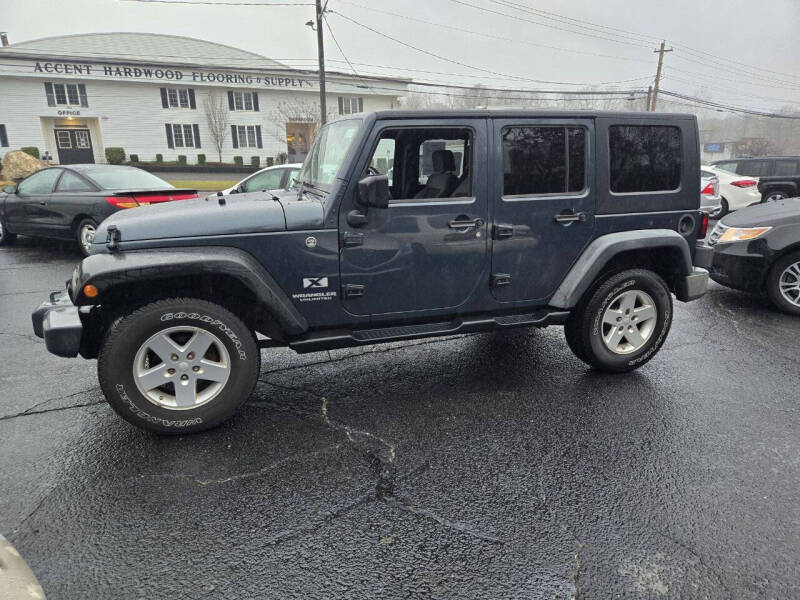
(741, 234)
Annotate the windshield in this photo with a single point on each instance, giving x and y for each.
(123, 178)
(327, 153)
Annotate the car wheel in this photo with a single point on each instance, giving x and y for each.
(720, 212)
(622, 322)
(178, 366)
(6, 237)
(783, 284)
(85, 232)
(776, 195)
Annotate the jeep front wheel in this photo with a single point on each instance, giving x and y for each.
(622, 322)
(178, 366)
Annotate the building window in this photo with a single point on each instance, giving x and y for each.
(644, 158)
(543, 160)
(182, 135)
(3, 137)
(246, 136)
(350, 104)
(243, 100)
(178, 98)
(66, 94)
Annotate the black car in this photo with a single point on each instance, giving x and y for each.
(491, 220)
(68, 202)
(757, 249)
(778, 176)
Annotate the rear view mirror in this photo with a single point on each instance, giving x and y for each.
(374, 191)
(10, 189)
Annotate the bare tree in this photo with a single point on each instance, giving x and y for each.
(218, 119)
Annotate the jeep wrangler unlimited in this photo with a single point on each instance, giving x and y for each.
(402, 225)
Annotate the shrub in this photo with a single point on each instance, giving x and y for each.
(159, 158)
(115, 156)
(255, 161)
(181, 159)
(238, 161)
(134, 158)
(270, 161)
(31, 150)
(201, 159)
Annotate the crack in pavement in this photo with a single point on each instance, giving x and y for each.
(29, 412)
(717, 573)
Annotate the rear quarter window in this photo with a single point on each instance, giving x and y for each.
(644, 158)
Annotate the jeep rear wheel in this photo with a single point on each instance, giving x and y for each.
(178, 366)
(622, 322)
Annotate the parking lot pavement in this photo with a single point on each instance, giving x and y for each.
(481, 466)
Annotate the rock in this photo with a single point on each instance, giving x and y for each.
(17, 165)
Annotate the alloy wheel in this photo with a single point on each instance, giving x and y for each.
(87, 236)
(789, 284)
(629, 322)
(181, 367)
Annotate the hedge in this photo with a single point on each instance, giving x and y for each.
(115, 156)
(31, 150)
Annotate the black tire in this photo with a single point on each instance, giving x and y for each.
(774, 280)
(6, 237)
(120, 355)
(585, 328)
(724, 209)
(84, 224)
(774, 195)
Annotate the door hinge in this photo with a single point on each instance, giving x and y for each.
(350, 240)
(351, 290)
(501, 279)
(503, 232)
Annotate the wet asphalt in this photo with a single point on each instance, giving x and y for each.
(481, 466)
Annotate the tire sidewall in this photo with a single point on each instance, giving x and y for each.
(117, 360)
(769, 197)
(773, 287)
(646, 282)
(79, 237)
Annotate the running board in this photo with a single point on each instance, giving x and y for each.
(332, 339)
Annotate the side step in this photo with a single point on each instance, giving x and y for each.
(329, 340)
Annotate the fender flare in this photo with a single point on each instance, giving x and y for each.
(787, 186)
(598, 253)
(105, 271)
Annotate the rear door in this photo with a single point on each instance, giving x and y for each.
(543, 202)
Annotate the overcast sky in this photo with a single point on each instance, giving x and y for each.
(756, 40)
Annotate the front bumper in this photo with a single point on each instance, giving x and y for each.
(58, 322)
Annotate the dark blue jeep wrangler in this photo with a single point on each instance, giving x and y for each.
(402, 225)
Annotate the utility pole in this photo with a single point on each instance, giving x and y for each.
(649, 98)
(660, 53)
(321, 52)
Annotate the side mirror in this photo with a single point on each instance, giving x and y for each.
(10, 189)
(374, 191)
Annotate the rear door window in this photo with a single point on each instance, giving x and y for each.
(644, 158)
(754, 168)
(543, 160)
(786, 167)
(70, 182)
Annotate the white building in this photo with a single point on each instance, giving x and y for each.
(74, 96)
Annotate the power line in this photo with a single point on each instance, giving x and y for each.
(344, 56)
(221, 3)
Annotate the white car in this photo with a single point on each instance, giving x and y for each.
(272, 178)
(736, 191)
(709, 192)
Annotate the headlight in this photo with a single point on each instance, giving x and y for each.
(740, 234)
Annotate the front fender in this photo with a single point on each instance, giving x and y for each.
(106, 271)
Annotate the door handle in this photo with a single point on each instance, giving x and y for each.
(463, 223)
(570, 217)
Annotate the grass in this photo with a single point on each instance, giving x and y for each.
(201, 184)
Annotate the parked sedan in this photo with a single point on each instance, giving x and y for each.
(710, 200)
(68, 202)
(757, 249)
(271, 178)
(736, 191)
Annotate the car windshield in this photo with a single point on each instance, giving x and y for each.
(327, 153)
(123, 178)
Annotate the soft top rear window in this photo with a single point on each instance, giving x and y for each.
(644, 158)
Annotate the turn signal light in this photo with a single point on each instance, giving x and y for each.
(744, 183)
(122, 201)
(90, 291)
(740, 234)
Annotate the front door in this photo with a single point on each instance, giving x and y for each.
(428, 250)
(74, 146)
(543, 203)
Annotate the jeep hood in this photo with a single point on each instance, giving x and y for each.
(257, 212)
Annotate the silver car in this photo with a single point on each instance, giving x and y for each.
(709, 194)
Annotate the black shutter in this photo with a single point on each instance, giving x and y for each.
(3, 136)
(234, 137)
(258, 136)
(164, 101)
(255, 103)
(82, 93)
(360, 105)
(170, 144)
(192, 103)
(230, 100)
(341, 106)
(51, 97)
(196, 130)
